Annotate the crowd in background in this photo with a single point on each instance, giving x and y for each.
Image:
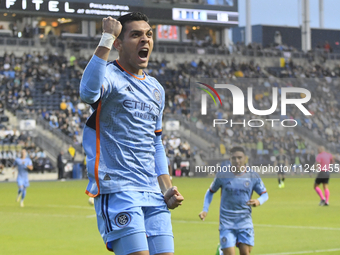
(11, 143)
(30, 83)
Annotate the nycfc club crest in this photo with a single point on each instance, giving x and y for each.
(246, 184)
(224, 239)
(122, 219)
(157, 96)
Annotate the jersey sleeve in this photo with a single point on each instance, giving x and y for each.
(158, 130)
(207, 200)
(29, 162)
(161, 162)
(259, 187)
(93, 79)
(216, 184)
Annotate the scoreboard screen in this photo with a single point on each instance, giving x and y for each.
(218, 12)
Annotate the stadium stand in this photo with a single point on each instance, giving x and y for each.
(44, 86)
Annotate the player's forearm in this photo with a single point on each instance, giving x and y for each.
(263, 198)
(30, 168)
(164, 182)
(207, 200)
(92, 80)
(102, 52)
(161, 163)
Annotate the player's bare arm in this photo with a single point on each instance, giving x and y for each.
(110, 26)
(30, 167)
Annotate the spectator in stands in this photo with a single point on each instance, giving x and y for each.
(40, 153)
(2, 109)
(72, 152)
(54, 123)
(14, 28)
(212, 149)
(327, 47)
(36, 34)
(177, 163)
(15, 136)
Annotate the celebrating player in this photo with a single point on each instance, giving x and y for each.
(237, 184)
(323, 162)
(126, 162)
(23, 164)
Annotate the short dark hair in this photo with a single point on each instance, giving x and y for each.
(237, 148)
(132, 16)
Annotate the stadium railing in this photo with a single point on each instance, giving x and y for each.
(92, 43)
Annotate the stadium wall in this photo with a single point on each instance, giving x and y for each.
(291, 36)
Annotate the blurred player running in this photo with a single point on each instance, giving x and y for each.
(237, 185)
(281, 161)
(323, 162)
(23, 164)
(126, 162)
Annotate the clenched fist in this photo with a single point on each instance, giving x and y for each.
(112, 26)
(173, 198)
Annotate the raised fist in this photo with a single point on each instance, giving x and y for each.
(112, 26)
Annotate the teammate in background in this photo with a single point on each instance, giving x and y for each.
(323, 162)
(126, 161)
(237, 184)
(23, 164)
(281, 161)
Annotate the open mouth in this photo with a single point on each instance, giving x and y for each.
(143, 54)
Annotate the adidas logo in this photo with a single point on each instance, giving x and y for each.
(129, 88)
(228, 183)
(107, 177)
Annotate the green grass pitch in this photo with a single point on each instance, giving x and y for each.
(57, 219)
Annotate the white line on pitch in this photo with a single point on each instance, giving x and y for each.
(42, 214)
(259, 225)
(49, 215)
(301, 252)
(72, 206)
(299, 227)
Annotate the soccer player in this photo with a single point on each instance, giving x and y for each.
(323, 162)
(24, 163)
(126, 161)
(281, 161)
(237, 185)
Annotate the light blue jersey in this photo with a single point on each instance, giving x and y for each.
(122, 138)
(236, 191)
(22, 165)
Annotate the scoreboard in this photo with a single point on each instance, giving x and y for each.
(216, 12)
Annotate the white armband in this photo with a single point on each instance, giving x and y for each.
(107, 40)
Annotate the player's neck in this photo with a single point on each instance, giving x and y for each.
(129, 68)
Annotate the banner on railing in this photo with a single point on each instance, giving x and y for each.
(27, 124)
(172, 125)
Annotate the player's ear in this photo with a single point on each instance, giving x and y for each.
(118, 44)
